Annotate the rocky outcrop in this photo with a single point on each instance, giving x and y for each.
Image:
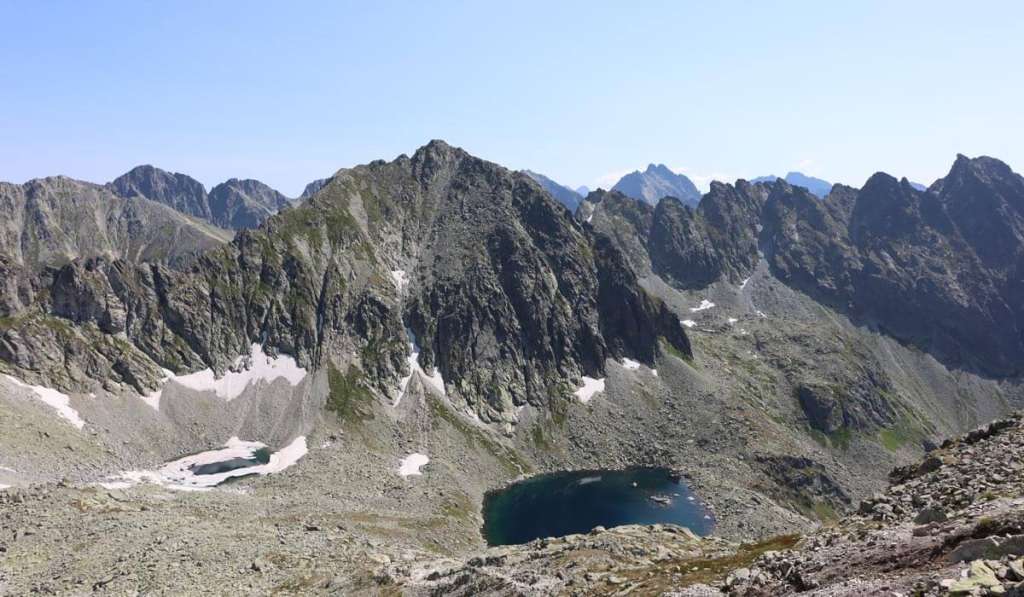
(17, 287)
(689, 248)
(313, 188)
(655, 182)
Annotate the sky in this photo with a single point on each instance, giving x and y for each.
(287, 92)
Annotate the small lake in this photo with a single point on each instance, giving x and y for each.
(560, 504)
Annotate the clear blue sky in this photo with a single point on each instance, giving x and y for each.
(291, 91)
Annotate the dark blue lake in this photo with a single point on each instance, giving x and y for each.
(559, 504)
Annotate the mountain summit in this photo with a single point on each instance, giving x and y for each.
(658, 181)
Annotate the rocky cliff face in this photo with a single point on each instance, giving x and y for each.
(51, 221)
(939, 268)
(505, 294)
(655, 182)
(313, 188)
(942, 269)
(689, 248)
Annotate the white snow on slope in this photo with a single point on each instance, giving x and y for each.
(261, 367)
(688, 322)
(400, 278)
(59, 401)
(435, 381)
(412, 463)
(703, 306)
(761, 314)
(634, 365)
(732, 320)
(178, 474)
(589, 388)
(743, 284)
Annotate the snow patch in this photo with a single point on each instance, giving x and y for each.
(412, 463)
(400, 278)
(761, 314)
(59, 401)
(630, 364)
(732, 320)
(590, 387)
(743, 284)
(435, 381)
(688, 322)
(179, 474)
(257, 367)
(703, 306)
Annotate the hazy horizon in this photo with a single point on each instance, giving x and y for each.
(580, 92)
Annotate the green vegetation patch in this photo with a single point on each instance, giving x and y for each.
(671, 574)
(904, 432)
(348, 398)
(672, 350)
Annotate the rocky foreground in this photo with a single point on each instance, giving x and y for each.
(953, 524)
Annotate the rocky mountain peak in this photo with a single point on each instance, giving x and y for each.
(178, 191)
(244, 203)
(655, 182)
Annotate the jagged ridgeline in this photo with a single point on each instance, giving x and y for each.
(507, 296)
(941, 268)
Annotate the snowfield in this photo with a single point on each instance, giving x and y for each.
(59, 401)
(704, 305)
(261, 368)
(400, 278)
(589, 388)
(688, 322)
(178, 474)
(435, 381)
(412, 463)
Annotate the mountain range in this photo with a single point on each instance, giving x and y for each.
(779, 350)
(234, 204)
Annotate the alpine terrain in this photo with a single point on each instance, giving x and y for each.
(229, 391)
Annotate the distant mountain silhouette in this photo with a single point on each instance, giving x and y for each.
(816, 186)
(566, 196)
(657, 182)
